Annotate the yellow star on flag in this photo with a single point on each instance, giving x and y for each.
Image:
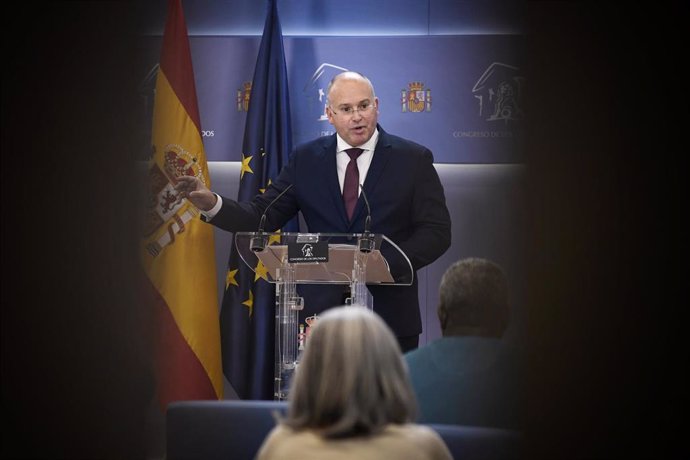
(250, 303)
(262, 190)
(274, 238)
(230, 278)
(260, 272)
(245, 165)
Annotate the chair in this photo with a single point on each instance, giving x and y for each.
(210, 430)
(480, 443)
(235, 430)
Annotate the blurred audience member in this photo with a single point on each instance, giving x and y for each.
(351, 397)
(470, 376)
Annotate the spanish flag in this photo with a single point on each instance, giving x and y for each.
(178, 250)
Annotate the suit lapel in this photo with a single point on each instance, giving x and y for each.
(382, 155)
(330, 172)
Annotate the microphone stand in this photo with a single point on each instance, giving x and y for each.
(366, 242)
(258, 243)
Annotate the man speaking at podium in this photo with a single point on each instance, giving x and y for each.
(402, 186)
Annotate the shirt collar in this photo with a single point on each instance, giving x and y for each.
(369, 145)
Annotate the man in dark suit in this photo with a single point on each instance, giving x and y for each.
(405, 195)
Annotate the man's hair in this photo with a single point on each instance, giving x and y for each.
(348, 75)
(352, 379)
(474, 299)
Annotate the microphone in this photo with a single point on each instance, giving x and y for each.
(258, 242)
(366, 241)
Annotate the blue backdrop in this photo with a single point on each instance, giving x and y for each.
(449, 74)
(461, 96)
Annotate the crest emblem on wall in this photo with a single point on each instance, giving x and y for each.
(416, 98)
(243, 95)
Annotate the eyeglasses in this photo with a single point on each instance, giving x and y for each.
(363, 109)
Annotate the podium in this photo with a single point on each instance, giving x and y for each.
(289, 259)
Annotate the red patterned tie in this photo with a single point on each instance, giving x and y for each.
(351, 185)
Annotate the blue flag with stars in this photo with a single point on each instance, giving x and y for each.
(247, 315)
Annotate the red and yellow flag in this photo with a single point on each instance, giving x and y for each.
(178, 251)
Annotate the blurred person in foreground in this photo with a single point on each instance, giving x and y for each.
(351, 397)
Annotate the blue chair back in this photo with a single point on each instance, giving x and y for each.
(235, 430)
(218, 430)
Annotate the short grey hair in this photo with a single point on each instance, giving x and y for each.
(352, 379)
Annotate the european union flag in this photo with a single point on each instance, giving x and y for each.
(248, 312)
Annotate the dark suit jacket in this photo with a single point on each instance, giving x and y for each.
(407, 205)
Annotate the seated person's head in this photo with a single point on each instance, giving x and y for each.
(352, 379)
(474, 299)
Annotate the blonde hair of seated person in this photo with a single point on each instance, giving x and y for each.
(352, 379)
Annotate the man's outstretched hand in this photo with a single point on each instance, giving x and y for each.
(196, 192)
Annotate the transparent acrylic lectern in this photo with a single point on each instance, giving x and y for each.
(289, 259)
